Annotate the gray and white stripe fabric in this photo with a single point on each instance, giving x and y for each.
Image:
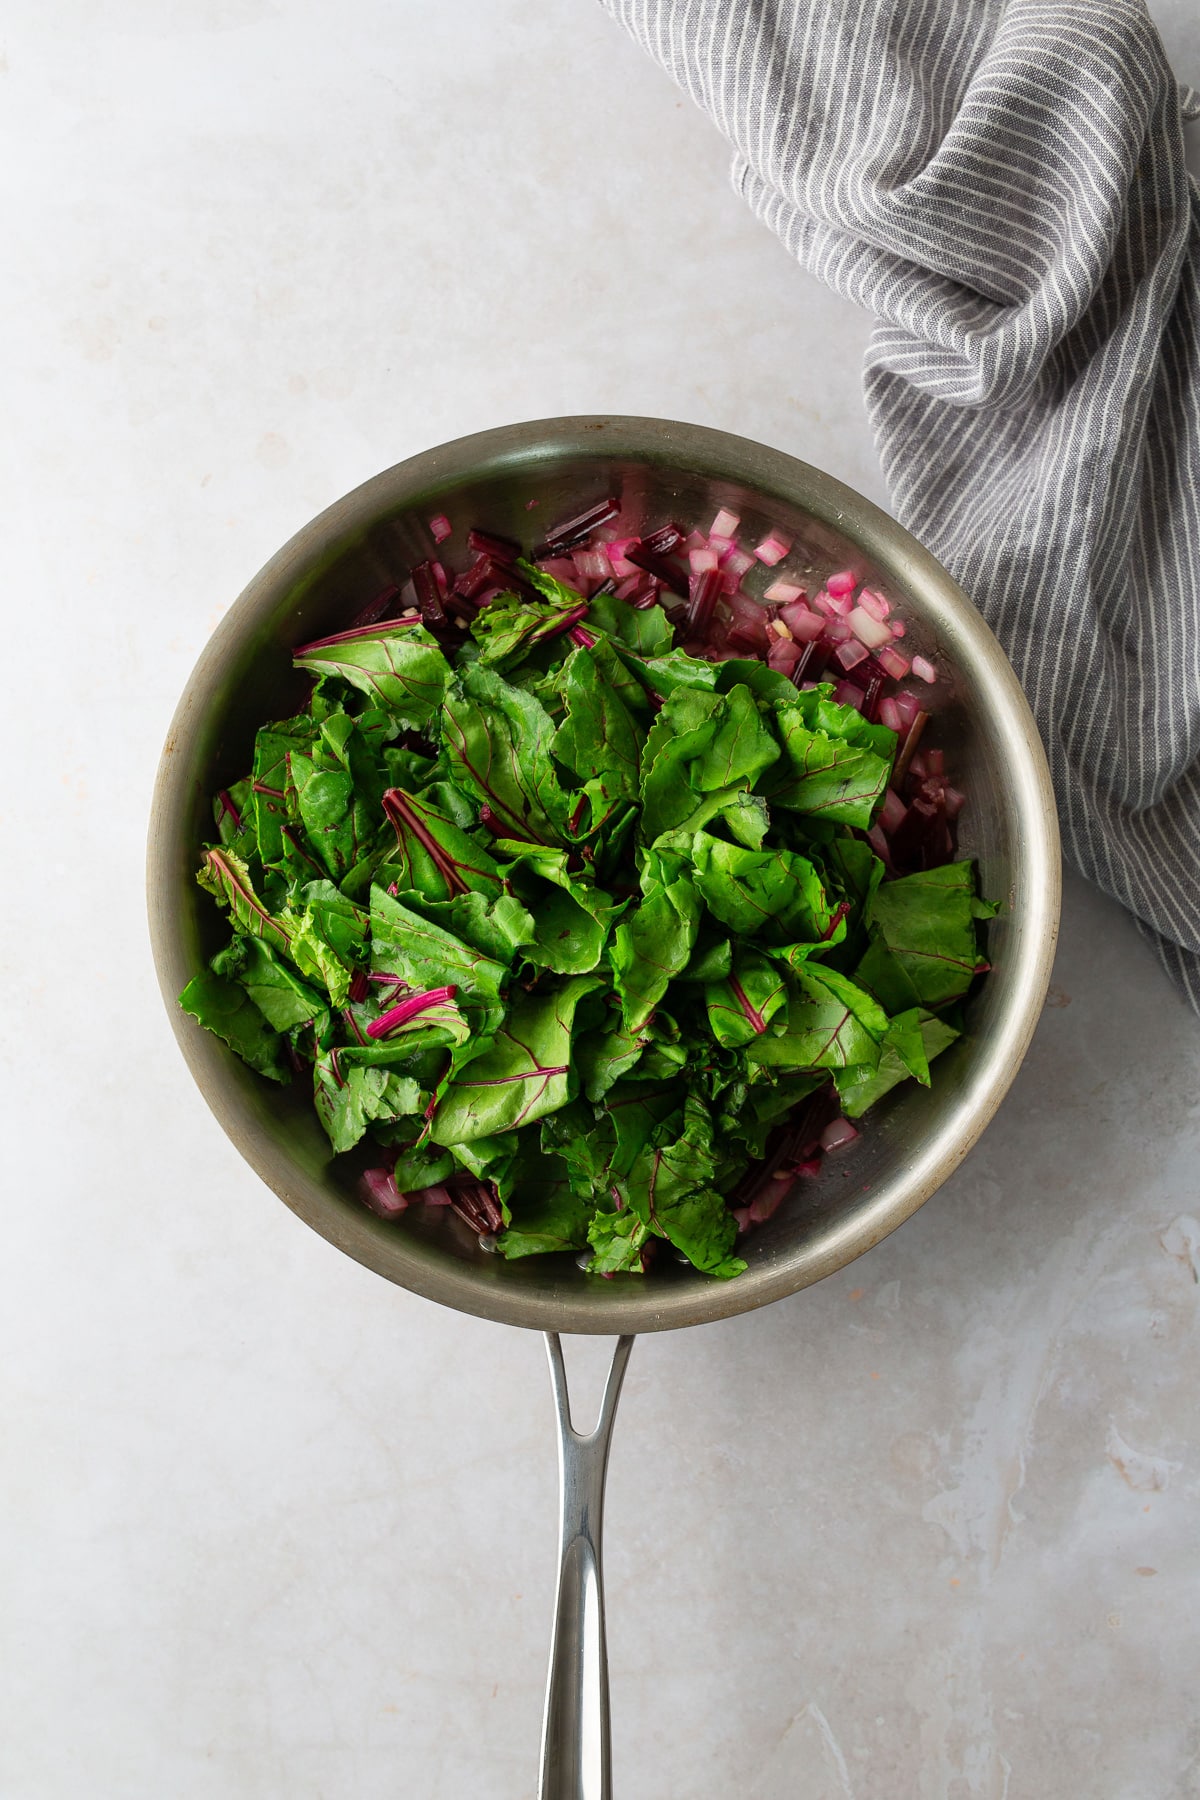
(1003, 186)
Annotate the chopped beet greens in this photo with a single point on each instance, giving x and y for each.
(599, 893)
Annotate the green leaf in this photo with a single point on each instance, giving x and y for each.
(701, 743)
(646, 630)
(433, 855)
(825, 775)
(338, 789)
(498, 741)
(547, 1216)
(618, 1240)
(597, 740)
(510, 625)
(603, 1056)
(224, 875)
(404, 944)
(860, 1088)
(572, 916)
(223, 1008)
(926, 941)
(349, 1097)
(328, 937)
(397, 665)
(273, 746)
(669, 1189)
(773, 894)
(499, 928)
(284, 1000)
(831, 1023)
(741, 1006)
(651, 945)
(523, 1075)
(422, 1166)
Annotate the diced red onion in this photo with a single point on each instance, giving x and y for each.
(874, 603)
(892, 662)
(379, 1193)
(935, 762)
(748, 624)
(834, 606)
(437, 1195)
(872, 632)
(701, 559)
(917, 766)
(722, 545)
(618, 562)
(804, 625)
(837, 1135)
(695, 540)
(908, 706)
(593, 565)
(841, 584)
(837, 631)
(899, 629)
(561, 568)
(954, 802)
(724, 525)
(848, 693)
(735, 562)
(773, 549)
(849, 655)
(924, 670)
(890, 714)
(783, 655)
(440, 527)
(782, 591)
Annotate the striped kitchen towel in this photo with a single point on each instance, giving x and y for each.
(1002, 184)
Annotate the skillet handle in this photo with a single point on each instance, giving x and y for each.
(576, 1747)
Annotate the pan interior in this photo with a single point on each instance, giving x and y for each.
(660, 471)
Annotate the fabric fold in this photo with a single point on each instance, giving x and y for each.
(1003, 186)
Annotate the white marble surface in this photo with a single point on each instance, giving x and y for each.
(271, 1526)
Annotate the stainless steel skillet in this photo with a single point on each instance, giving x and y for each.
(322, 577)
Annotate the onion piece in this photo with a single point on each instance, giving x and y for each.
(837, 1135)
(924, 670)
(701, 559)
(773, 549)
(892, 663)
(890, 715)
(781, 591)
(850, 654)
(618, 562)
(736, 562)
(872, 632)
(874, 603)
(841, 584)
(380, 1194)
(805, 625)
(724, 525)
(440, 528)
